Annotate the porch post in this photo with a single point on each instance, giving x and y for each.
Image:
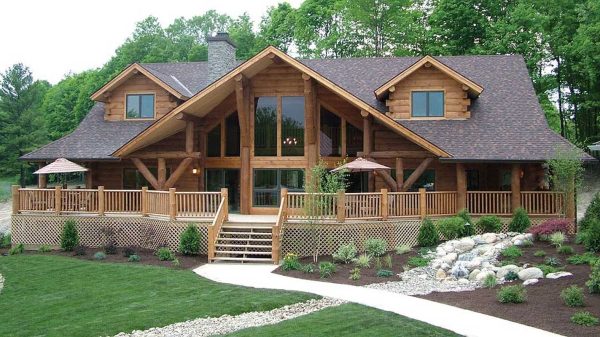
(461, 186)
(172, 204)
(515, 186)
(101, 204)
(422, 203)
(243, 98)
(15, 199)
(144, 201)
(399, 173)
(310, 113)
(225, 195)
(368, 143)
(42, 178)
(57, 200)
(162, 173)
(384, 204)
(341, 206)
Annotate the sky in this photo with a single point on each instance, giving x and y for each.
(54, 38)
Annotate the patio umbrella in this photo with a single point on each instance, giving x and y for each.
(361, 165)
(61, 166)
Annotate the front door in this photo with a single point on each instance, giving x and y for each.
(225, 178)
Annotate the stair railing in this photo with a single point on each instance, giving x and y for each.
(277, 230)
(215, 228)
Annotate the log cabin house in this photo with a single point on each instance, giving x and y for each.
(466, 129)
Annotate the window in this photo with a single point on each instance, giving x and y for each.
(134, 180)
(472, 180)
(354, 140)
(265, 126)
(426, 180)
(140, 106)
(292, 125)
(358, 182)
(331, 134)
(229, 178)
(213, 142)
(232, 136)
(427, 104)
(268, 184)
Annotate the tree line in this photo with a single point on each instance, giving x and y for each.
(559, 39)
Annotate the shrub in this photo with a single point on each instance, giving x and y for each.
(384, 273)
(539, 253)
(110, 248)
(291, 262)
(402, 249)
(557, 239)
(547, 269)
(418, 261)
(44, 249)
(469, 228)
(189, 241)
(99, 256)
(490, 281)
(326, 269)
(451, 228)
(512, 294)
(584, 318)
(375, 247)
(363, 261)
(79, 250)
(387, 261)
(345, 253)
(566, 250)
(355, 274)
(552, 261)
(591, 213)
(511, 276)
(489, 224)
(527, 243)
(175, 263)
(164, 254)
(511, 252)
(520, 221)
(5, 240)
(18, 249)
(572, 296)
(593, 283)
(128, 251)
(378, 263)
(591, 239)
(428, 235)
(585, 258)
(308, 268)
(550, 226)
(133, 258)
(69, 237)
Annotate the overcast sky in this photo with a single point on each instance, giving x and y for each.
(56, 37)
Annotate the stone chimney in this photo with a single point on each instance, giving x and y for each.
(221, 55)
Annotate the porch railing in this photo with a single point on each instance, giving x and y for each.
(542, 202)
(489, 202)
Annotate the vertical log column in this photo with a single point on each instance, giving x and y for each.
(202, 160)
(461, 186)
(515, 186)
(172, 204)
(162, 173)
(422, 203)
(310, 115)
(243, 97)
(57, 200)
(144, 201)
(101, 203)
(384, 204)
(399, 173)
(368, 143)
(42, 178)
(15, 199)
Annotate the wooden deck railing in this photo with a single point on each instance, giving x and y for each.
(221, 216)
(122, 201)
(489, 202)
(542, 202)
(363, 205)
(197, 204)
(302, 205)
(276, 231)
(441, 203)
(403, 204)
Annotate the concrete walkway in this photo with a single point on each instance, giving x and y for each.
(464, 322)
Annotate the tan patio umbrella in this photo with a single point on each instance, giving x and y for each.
(61, 166)
(361, 165)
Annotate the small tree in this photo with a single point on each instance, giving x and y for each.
(189, 241)
(428, 234)
(591, 213)
(566, 171)
(520, 221)
(69, 238)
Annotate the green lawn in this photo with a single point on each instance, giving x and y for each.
(61, 296)
(348, 320)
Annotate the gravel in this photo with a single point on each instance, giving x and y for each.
(227, 324)
(1, 282)
(422, 281)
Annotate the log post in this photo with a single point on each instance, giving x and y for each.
(341, 206)
(101, 204)
(310, 113)
(243, 99)
(172, 204)
(368, 144)
(57, 199)
(284, 193)
(422, 203)
(15, 198)
(144, 201)
(162, 173)
(461, 186)
(225, 196)
(515, 186)
(570, 205)
(211, 243)
(189, 136)
(384, 204)
(399, 173)
(42, 178)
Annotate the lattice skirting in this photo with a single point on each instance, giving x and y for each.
(36, 230)
(302, 238)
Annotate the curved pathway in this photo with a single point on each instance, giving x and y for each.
(461, 321)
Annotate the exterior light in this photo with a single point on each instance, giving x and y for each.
(194, 171)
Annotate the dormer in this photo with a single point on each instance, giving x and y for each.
(137, 94)
(428, 89)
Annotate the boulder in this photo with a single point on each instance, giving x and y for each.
(529, 236)
(530, 282)
(558, 274)
(440, 274)
(489, 237)
(483, 274)
(448, 247)
(518, 242)
(464, 244)
(463, 281)
(445, 266)
(519, 237)
(449, 258)
(439, 251)
(530, 273)
(478, 239)
(475, 263)
(459, 270)
(473, 274)
(502, 271)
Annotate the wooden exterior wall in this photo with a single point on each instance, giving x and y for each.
(456, 103)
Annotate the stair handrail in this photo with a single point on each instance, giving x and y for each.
(215, 228)
(277, 230)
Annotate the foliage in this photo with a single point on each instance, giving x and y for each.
(418, 261)
(593, 283)
(451, 228)
(584, 318)
(557, 239)
(490, 281)
(552, 261)
(585, 258)
(567, 250)
(566, 170)
(79, 250)
(44, 249)
(69, 237)
(428, 234)
(512, 252)
(547, 269)
(99, 256)
(550, 226)
(512, 294)
(511, 276)
(591, 239)
(469, 225)
(110, 248)
(189, 241)
(520, 221)
(128, 251)
(527, 243)
(378, 264)
(363, 261)
(539, 253)
(326, 269)
(133, 258)
(291, 261)
(387, 261)
(489, 224)
(573, 296)
(355, 274)
(375, 247)
(308, 268)
(402, 249)
(345, 253)
(5, 240)
(591, 213)
(175, 263)
(384, 273)
(17, 249)
(164, 254)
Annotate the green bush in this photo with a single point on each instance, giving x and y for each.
(363, 261)
(18, 249)
(585, 258)
(547, 269)
(44, 249)
(375, 247)
(428, 235)
(175, 263)
(402, 249)
(591, 213)
(572, 296)
(387, 261)
(511, 252)
(384, 273)
(5, 240)
(539, 253)
(489, 224)
(527, 243)
(134, 258)
(291, 262)
(110, 248)
(164, 254)
(520, 221)
(593, 283)
(308, 268)
(584, 318)
(591, 239)
(511, 276)
(326, 269)
(418, 261)
(469, 226)
(557, 239)
(451, 228)
(99, 256)
(512, 294)
(69, 237)
(345, 253)
(490, 281)
(566, 250)
(355, 274)
(189, 241)
(552, 261)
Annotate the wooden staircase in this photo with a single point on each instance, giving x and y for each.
(244, 242)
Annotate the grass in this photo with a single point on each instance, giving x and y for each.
(347, 320)
(60, 296)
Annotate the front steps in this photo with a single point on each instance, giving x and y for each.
(244, 242)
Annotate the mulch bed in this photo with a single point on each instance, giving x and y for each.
(544, 308)
(342, 274)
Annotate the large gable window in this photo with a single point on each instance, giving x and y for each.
(427, 104)
(140, 106)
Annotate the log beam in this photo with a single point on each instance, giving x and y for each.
(397, 154)
(387, 179)
(165, 154)
(177, 173)
(416, 174)
(184, 116)
(243, 98)
(146, 173)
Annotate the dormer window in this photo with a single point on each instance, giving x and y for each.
(427, 104)
(139, 106)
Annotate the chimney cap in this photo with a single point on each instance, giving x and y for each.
(220, 36)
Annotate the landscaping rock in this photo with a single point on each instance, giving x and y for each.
(483, 274)
(530, 273)
(502, 271)
(449, 258)
(440, 274)
(530, 282)
(489, 237)
(473, 274)
(558, 275)
(459, 270)
(464, 245)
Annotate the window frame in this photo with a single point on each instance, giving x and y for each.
(221, 126)
(429, 90)
(344, 131)
(140, 93)
(278, 186)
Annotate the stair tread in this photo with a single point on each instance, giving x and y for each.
(242, 246)
(244, 239)
(242, 252)
(255, 259)
(244, 233)
(246, 227)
